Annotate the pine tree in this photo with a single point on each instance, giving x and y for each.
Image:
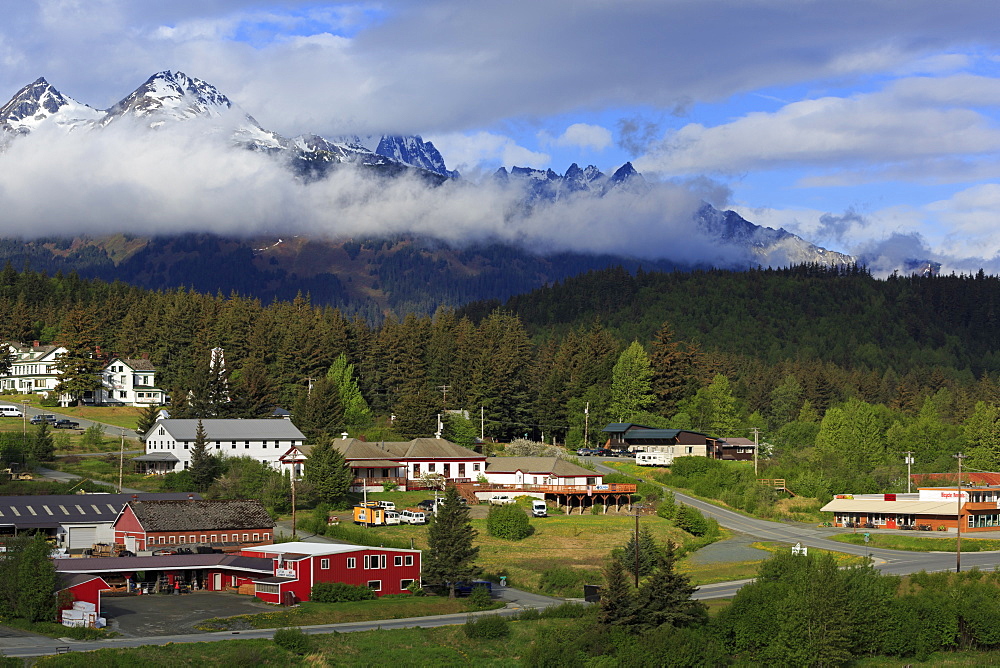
(146, 420)
(327, 472)
(649, 553)
(41, 446)
(616, 597)
(450, 555)
(665, 598)
(78, 368)
(254, 394)
(204, 466)
(318, 411)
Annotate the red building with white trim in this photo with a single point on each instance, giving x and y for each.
(297, 566)
(151, 525)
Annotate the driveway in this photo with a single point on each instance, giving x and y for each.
(168, 614)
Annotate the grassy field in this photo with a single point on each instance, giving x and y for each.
(919, 543)
(310, 613)
(119, 416)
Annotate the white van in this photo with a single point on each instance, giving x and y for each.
(388, 505)
(412, 517)
(539, 509)
(391, 517)
(501, 500)
(653, 459)
(8, 410)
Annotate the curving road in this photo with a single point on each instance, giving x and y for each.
(896, 562)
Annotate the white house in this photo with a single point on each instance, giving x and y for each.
(129, 382)
(169, 442)
(538, 471)
(32, 368)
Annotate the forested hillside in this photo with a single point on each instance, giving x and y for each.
(840, 372)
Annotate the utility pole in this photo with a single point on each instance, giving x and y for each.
(586, 425)
(756, 438)
(636, 548)
(293, 499)
(121, 461)
(958, 517)
(482, 424)
(909, 460)
(444, 390)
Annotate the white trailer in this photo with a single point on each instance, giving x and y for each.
(653, 459)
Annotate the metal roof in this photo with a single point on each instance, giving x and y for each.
(173, 562)
(59, 509)
(553, 465)
(898, 507)
(229, 430)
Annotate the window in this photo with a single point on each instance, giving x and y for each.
(689, 450)
(264, 443)
(172, 540)
(256, 537)
(416, 470)
(122, 394)
(375, 585)
(246, 537)
(218, 445)
(352, 562)
(194, 539)
(186, 444)
(409, 560)
(204, 538)
(234, 445)
(475, 467)
(447, 470)
(397, 561)
(215, 538)
(225, 538)
(324, 564)
(247, 447)
(181, 539)
(461, 470)
(267, 588)
(405, 584)
(430, 468)
(374, 561)
(246, 443)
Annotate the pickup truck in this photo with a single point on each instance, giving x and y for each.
(39, 419)
(66, 424)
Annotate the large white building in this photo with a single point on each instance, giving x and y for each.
(169, 442)
(124, 382)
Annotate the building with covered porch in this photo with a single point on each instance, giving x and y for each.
(931, 508)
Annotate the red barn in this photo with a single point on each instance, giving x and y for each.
(81, 587)
(297, 566)
(150, 525)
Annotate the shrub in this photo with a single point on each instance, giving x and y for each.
(509, 522)
(339, 592)
(293, 640)
(528, 614)
(567, 611)
(691, 520)
(649, 491)
(487, 627)
(480, 598)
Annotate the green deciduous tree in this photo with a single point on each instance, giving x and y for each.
(450, 555)
(631, 388)
(356, 411)
(28, 579)
(509, 522)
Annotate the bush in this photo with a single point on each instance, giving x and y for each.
(339, 592)
(480, 598)
(691, 520)
(562, 580)
(509, 522)
(487, 627)
(567, 611)
(293, 640)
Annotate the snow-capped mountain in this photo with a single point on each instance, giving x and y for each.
(167, 96)
(38, 103)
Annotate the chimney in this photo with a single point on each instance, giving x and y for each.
(135, 498)
(35, 344)
(145, 356)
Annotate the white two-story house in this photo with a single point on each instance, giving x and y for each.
(32, 370)
(169, 442)
(129, 382)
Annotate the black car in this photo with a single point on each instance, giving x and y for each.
(39, 419)
(604, 452)
(427, 505)
(66, 424)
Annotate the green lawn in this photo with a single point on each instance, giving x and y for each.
(919, 543)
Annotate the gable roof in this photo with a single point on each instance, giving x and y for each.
(219, 515)
(134, 364)
(418, 448)
(230, 429)
(551, 465)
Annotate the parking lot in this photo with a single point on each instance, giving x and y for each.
(167, 614)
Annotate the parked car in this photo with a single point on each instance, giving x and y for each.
(39, 419)
(586, 452)
(392, 517)
(604, 452)
(388, 505)
(465, 588)
(427, 505)
(502, 500)
(66, 424)
(412, 517)
(539, 509)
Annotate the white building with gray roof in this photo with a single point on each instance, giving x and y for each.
(169, 442)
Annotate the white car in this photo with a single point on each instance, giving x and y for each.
(412, 517)
(388, 505)
(502, 500)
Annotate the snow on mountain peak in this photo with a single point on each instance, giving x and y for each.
(171, 96)
(39, 101)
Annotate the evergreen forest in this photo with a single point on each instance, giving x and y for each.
(840, 372)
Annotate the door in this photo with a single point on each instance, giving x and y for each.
(217, 582)
(80, 538)
(130, 544)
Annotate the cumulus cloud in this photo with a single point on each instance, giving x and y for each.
(911, 120)
(582, 135)
(466, 152)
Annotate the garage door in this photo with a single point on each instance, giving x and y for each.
(82, 537)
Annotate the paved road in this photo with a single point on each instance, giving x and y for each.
(109, 429)
(896, 562)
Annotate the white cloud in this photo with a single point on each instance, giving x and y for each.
(466, 152)
(912, 120)
(581, 135)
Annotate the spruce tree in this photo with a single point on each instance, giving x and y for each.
(665, 598)
(327, 472)
(450, 556)
(78, 369)
(649, 553)
(146, 420)
(318, 411)
(204, 466)
(616, 597)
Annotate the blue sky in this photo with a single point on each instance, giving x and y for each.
(858, 125)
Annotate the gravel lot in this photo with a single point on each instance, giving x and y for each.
(167, 614)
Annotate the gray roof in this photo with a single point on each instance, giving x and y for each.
(220, 515)
(419, 448)
(156, 457)
(230, 430)
(57, 509)
(553, 465)
(171, 562)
